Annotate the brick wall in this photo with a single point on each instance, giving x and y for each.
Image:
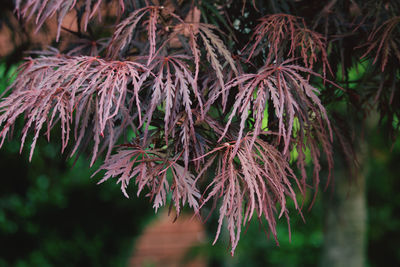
(165, 243)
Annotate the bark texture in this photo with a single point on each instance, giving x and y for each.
(346, 219)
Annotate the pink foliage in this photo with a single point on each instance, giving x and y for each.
(180, 108)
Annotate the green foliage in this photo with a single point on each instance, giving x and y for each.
(7, 75)
(52, 215)
(301, 249)
(383, 202)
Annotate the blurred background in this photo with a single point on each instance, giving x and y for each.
(52, 213)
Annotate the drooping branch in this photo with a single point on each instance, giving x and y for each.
(255, 179)
(59, 87)
(151, 168)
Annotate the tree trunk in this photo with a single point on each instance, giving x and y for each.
(345, 219)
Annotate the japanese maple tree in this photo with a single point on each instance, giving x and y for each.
(207, 101)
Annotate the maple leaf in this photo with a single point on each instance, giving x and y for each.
(151, 168)
(383, 40)
(213, 46)
(252, 180)
(93, 88)
(291, 95)
(287, 36)
(172, 80)
(125, 30)
(84, 46)
(45, 9)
